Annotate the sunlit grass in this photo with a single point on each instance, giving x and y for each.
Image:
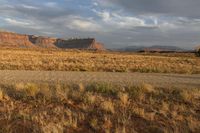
(30, 107)
(17, 59)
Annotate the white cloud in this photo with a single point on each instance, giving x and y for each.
(79, 23)
(104, 3)
(51, 4)
(29, 7)
(116, 20)
(95, 4)
(16, 22)
(104, 15)
(22, 23)
(128, 21)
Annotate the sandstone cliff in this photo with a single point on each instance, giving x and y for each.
(43, 42)
(97, 45)
(8, 39)
(89, 43)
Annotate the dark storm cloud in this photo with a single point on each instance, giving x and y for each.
(38, 12)
(186, 8)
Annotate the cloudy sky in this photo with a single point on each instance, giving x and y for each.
(116, 23)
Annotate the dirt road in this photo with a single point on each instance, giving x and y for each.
(159, 80)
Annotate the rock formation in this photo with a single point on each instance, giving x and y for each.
(89, 43)
(44, 42)
(8, 39)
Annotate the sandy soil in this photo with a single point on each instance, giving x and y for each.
(158, 80)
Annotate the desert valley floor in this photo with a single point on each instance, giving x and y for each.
(75, 91)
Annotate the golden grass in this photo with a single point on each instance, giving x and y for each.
(108, 106)
(1, 94)
(19, 59)
(29, 107)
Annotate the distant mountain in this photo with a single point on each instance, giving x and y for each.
(155, 48)
(132, 48)
(164, 48)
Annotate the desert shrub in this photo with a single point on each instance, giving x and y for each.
(14, 92)
(124, 98)
(181, 95)
(136, 92)
(21, 90)
(31, 89)
(103, 88)
(94, 123)
(139, 111)
(89, 98)
(198, 52)
(45, 91)
(1, 94)
(108, 106)
(155, 129)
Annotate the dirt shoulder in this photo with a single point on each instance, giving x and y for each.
(158, 80)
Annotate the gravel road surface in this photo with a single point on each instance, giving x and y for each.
(158, 80)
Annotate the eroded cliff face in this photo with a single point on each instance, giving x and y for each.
(8, 39)
(74, 43)
(44, 42)
(89, 43)
(97, 46)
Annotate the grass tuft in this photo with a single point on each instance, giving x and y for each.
(30, 107)
(103, 88)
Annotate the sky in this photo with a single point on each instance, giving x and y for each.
(116, 23)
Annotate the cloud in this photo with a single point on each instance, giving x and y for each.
(184, 8)
(95, 4)
(22, 23)
(29, 7)
(105, 15)
(116, 23)
(116, 20)
(51, 4)
(79, 23)
(16, 22)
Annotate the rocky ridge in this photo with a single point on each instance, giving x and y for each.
(9, 39)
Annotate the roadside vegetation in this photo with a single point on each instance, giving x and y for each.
(198, 52)
(75, 60)
(98, 107)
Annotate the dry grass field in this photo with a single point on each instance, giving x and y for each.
(21, 59)
(103, 107)
(98, 107)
